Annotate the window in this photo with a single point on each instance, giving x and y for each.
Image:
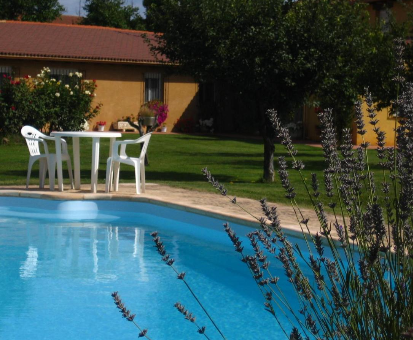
(4, 70)
(384, 17)
(153, 87)
(61, 74)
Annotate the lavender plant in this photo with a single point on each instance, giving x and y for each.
(364, 289)
(360, 263)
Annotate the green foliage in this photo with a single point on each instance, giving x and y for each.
(151, 6)
(46, 103)
(30, 10)
(112, 13)
(275, 53)
(17, 105)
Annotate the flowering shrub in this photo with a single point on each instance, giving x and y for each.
(155, 108)
(46, 103)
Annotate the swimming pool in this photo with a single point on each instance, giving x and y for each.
(61, 260)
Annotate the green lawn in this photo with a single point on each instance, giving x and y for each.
(177, 160)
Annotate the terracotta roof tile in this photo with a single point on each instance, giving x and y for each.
(68, 20)
(28, 39)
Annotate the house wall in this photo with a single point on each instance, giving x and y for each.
(121, 88)
(386, 124)
(400, 10)
(310, 124)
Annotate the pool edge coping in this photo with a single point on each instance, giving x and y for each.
(291, 230)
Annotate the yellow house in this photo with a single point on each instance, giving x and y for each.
(126, 73)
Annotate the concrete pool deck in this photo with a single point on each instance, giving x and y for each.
(212, 204)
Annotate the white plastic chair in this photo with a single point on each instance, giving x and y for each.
(113, 163)
(47, 161)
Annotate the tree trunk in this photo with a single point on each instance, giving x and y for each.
(269, 149)
(268, 134)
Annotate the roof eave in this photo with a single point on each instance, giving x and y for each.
(82, 59)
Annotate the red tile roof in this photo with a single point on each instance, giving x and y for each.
(73, 42)
(68, 20)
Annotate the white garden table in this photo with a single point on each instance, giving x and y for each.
(76, 154)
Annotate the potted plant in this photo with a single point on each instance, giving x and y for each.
(153, 113)
(146, 115)
(101, 125)
(164, 127)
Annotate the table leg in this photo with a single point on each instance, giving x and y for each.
(112, 140)
(58, 144)
(76, 161)
(95, 164)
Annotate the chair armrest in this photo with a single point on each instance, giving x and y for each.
(48, 137)
(123, 144)
(127, 141)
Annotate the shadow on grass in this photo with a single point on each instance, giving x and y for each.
(168, 176)
(247, 139)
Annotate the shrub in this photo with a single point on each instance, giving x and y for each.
(364, 289)
(46, 103)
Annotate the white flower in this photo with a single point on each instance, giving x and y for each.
(76, 86)
(57, 94)
(39, 75)
(70, 74)
(87, 92)
(52, 79)
(71, 93)
(86, 81)
(67, 86)
(94, 95)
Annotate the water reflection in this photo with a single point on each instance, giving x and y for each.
(73, 249)
(29, 266)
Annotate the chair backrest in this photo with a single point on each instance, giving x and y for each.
(33, 145)
(145, 139)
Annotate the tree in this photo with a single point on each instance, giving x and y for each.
(30, 10)
(276, 53)
(151, 6)
(112, 13)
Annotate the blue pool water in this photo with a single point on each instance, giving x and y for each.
(60, 261)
